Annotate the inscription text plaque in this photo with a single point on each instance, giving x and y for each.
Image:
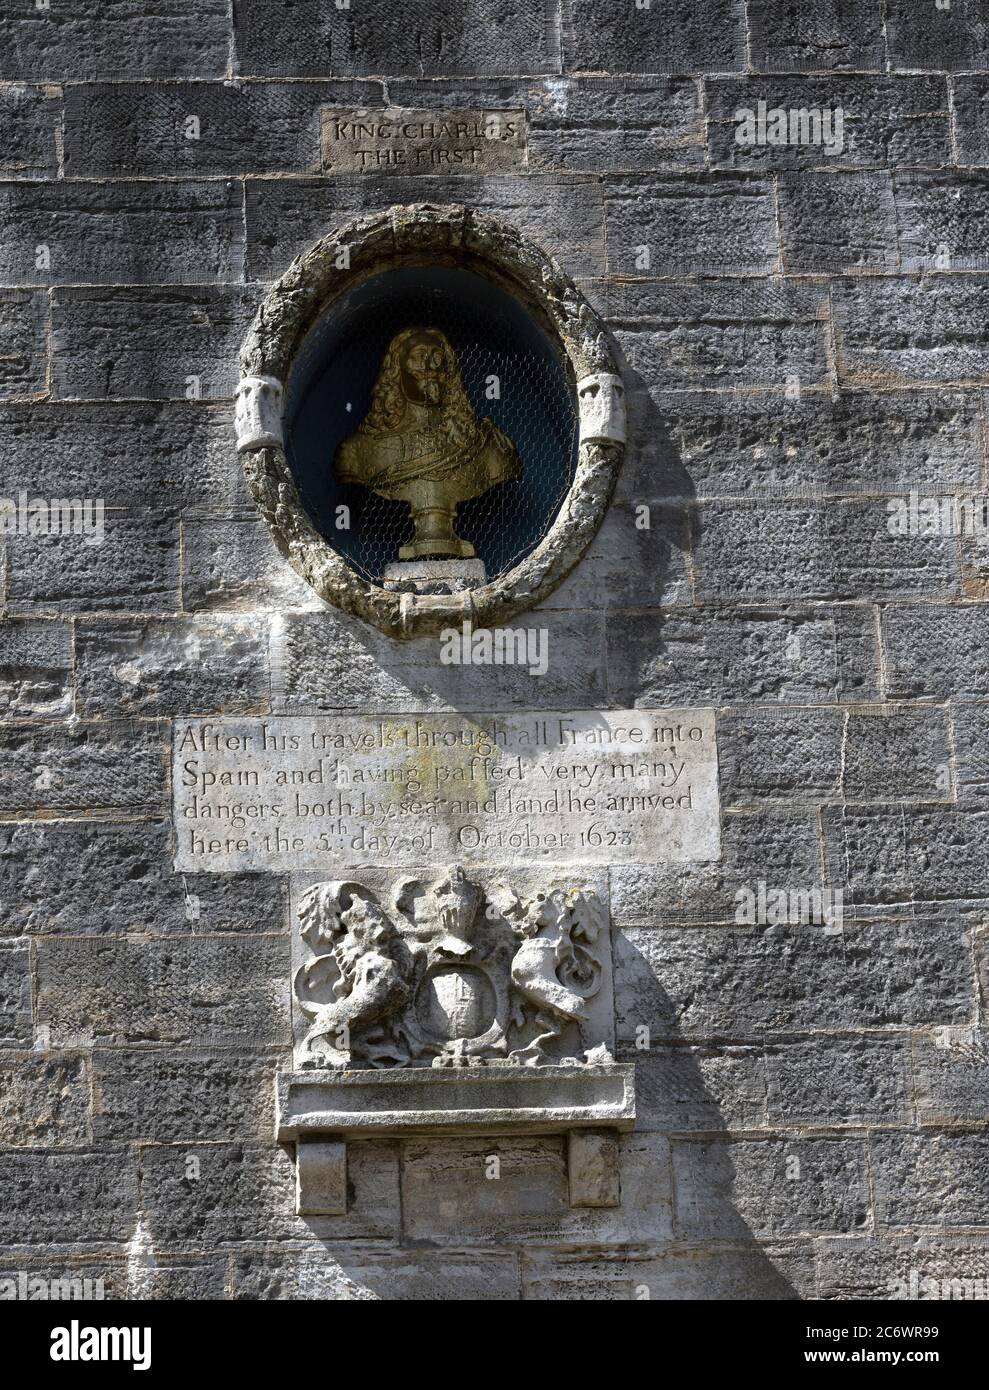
(584, 787)
(401, 141)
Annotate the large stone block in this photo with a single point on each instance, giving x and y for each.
(671, 37)
(30, 120)
(951, 1075)
(931, 1179)
(731, 334)
(323, 662)
(886, 122)
(177, 452)
(835, 223)
(73, 1275)
(222, 992)
(16, 1008)
(111, 560)
(68, 1199)
(766, 445)
(971, 107)
(200, 1195)
(836, 35)
(942, 221)
(175, 1096)
(939, 855)
(637, 560)
(484, 1191)
(121, 233)
(936, 652)
(113, 38)
(771, 1272)
(692, 225)
(171, 666)
(928, 1266)
(894, 332)
(44, 1101)
(685, 1088)
(24, 360)
(200, 128)
(233, 564)
(48, 869)
(745, 983)
(93, 767)
(857, 641)
(564, 214)
(731, 1189)
(181, 1278)
(614, 125)
(160, 344)
(708, 657)
(900, 754)
(937, 38)
(783, 755)
(35, 670)
(868, 561)
(848, 1080)
(738, 354)
(431, 38)
(780, 845)
(970, 725)
(761, 551)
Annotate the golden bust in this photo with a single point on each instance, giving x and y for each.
(421, 443)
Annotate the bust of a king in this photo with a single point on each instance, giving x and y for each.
(421, 443)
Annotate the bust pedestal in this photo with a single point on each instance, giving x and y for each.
(434, 576)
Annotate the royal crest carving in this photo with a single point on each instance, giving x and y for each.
(449, 973)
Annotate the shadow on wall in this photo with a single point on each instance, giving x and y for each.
(714, 1252)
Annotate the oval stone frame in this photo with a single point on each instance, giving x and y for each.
(423, 234)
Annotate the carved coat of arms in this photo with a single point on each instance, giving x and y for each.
(448, 973)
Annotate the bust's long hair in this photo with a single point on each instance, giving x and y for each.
(457, 420)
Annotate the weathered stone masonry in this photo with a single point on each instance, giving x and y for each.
(805, 341)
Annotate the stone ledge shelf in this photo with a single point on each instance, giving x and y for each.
(590, 1103)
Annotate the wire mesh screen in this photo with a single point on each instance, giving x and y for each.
(511, 374)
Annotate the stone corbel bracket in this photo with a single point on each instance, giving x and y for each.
(422, 234)
(258, 414)
(592, 1103)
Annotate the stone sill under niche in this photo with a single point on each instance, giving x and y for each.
(319, 1110)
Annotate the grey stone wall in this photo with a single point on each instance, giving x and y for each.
(805, 342)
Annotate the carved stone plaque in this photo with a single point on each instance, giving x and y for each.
(402, 141)
(451, 969)
(330, 792)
